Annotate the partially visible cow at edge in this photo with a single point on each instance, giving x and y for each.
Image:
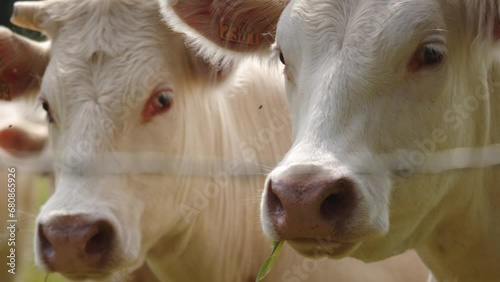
(23, 134)
(23, 138)
(396, 112)
(157, 153)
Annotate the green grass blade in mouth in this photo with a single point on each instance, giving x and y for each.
(269, 262)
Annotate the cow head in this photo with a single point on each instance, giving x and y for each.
(115, 85)
(378, 91)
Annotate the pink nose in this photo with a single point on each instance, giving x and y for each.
(309, 206)
(72, 244)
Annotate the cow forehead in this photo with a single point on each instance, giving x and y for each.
(358, 24)
(106, 58)
(105, 49)
(96, 38)
(101, 76)
(102, 85)
(111, 27)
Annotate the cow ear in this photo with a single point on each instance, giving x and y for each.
(484, 17)
(22, 64)
(235, 25)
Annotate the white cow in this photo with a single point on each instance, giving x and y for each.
(158, 154)
(23, 134)
(396, 115)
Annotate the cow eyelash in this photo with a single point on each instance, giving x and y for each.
(282, 58)
(276, 54)
(431, 54)
(428, 56)
(46, 107)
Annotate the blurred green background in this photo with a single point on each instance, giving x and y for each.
(28, 270)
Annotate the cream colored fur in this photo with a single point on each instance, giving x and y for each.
(355, 101)
(107, 58)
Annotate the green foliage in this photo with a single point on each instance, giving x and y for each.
(269, 262)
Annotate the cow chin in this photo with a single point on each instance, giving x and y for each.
(97, 276)
(340, 244)
(318, 248)
(118, 271)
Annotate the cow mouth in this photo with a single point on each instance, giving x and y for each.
(318, 247)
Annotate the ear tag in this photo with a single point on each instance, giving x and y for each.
(5, 90)
(237, 34)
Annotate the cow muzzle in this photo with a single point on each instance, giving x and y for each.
(318, 212)
(76, 244)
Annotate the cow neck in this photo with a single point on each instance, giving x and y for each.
(225, 247)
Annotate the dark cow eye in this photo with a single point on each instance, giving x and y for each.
(159, 102)
(46, 107)
(282, 58)
(428, 56)
(164, 99)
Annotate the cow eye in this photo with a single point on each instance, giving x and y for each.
(46, 107)
(159, 102)
(282, 58)
(428, 56)
(164, 99)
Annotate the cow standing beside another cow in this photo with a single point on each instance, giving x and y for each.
(395, 111)
(23, 133)
(158, 154)
(23, 138)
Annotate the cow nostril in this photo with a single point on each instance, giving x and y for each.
(45, 245)
(101, 241)
(274, 204)
(340, 202)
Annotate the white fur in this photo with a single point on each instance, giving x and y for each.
(107, 57)
(24, 115)
(352, 96)
(359, 110)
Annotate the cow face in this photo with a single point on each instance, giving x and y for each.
(355, 85)
(378, 91)
(113, 92)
